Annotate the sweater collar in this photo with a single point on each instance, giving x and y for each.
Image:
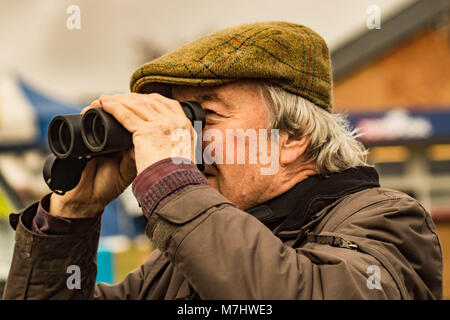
(292, 209)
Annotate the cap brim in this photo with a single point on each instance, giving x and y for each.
(163, 85)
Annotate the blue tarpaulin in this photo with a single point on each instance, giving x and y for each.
(46, 109)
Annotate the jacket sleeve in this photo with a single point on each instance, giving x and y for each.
(225, 253)
(47, 266)
(51, 266)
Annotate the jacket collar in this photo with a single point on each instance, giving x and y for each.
(292, 209)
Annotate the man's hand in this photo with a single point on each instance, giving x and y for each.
(152, 119)
(103, 179)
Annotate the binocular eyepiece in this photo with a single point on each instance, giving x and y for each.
(74, 139)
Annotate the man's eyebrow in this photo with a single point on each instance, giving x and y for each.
(214, 97)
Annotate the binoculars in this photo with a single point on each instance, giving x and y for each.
(74, 139)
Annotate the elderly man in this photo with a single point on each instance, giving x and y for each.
(317, 227)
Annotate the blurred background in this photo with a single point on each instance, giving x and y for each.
(391, 64)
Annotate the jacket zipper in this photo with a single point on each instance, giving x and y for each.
(348, 245)
(338, 241)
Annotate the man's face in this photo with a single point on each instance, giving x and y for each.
(238, 105)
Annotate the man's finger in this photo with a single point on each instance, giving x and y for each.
(124, 115)
(94, 104)
(171, 104)
(144, 109)
(85, 109)
(148, 104)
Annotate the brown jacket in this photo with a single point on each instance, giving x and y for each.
(215, 251)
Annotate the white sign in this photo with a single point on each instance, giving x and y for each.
(397, 124)
(17, 115)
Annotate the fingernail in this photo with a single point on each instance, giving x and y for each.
(105, 100)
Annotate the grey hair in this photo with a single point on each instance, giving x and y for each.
(333, 146)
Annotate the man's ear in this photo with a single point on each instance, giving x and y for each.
(291, 148)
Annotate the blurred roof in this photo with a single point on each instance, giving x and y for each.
(396, 29)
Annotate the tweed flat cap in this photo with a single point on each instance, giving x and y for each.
(289, 55)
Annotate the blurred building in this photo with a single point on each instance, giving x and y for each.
(394, 84)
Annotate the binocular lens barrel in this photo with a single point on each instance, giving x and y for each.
(99, 132)
(94, 130)
(65, 137)
(62, 133)
(102, 133)
(59, 136)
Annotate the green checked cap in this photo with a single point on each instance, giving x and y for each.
(289, 55)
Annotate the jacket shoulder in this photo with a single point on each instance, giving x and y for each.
(386, 208)
(395, 227)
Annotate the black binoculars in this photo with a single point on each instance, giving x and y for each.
(74, 139)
